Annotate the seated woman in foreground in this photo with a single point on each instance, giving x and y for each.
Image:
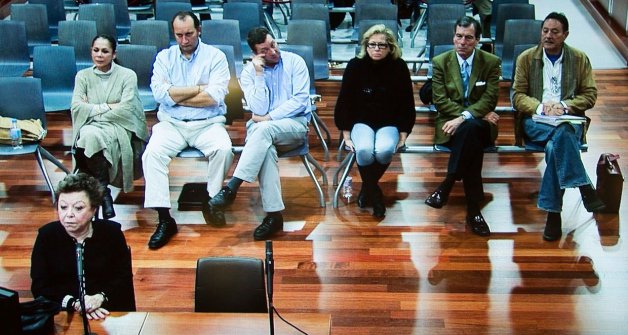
(106, 263)
(375, 110)
(108, 122)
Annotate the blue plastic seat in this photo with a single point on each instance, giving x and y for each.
(121, 16)
(140, 59)
(56, 67)
(22, 98)
(14, 57)
(56, 12)
(101, 13)
(79, 34)
(35, 19)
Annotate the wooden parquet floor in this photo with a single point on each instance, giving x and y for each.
(417, 271)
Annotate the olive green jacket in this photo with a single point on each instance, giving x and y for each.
(578, 89)
(448, 94)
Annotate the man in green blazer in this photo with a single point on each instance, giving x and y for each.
(556, 79)
(465, 88)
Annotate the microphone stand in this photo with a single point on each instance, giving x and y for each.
(270, 270)
(81, 279)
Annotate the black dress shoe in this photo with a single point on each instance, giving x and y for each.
(438, 199)
(363, 199)
(269, 226)
(591, 201)
(553, 230)
(223, 198)
(107, 205)
(478, 225)
(165, 230)
(213, 216)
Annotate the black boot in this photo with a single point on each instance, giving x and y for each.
(553, 230)
(590, 200)
(107, 204)
(379, 209)
(364, 197)
(98, 167)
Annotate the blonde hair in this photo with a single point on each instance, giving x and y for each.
(395, 50)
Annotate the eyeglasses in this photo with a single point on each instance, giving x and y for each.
(381, 46)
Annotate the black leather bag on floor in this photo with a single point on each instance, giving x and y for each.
(38, 316)
(610, 182)
(425, 92)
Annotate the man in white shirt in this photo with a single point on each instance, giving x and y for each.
(190, 83)
(555, 79)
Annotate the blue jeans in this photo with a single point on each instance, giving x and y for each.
(374, 145)
(562, 157)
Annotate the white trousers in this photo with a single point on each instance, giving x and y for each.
(259, 157)
(169, 137)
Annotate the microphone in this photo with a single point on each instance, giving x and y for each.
(81, 282)
(270, 270)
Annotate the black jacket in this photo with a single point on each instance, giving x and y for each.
(377, 94)
(107, 265)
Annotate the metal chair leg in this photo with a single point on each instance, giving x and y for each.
(417, 26)
(317, 130)
(47, 155)
(350, 160)
(321, 196)
(324, 126)
(341, 147)
(318, 167)
(42, 167)
(340, 168)
(271, 24)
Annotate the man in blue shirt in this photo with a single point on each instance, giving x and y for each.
(276, 86)
(190, 83)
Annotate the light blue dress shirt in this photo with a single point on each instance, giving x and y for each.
(207, 66)
(283, 91)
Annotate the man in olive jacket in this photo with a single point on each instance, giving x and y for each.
(465, 88)
(554, 79)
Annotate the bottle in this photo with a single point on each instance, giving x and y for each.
(347, 189)
(16, 135)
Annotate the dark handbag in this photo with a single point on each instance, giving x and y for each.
(610, 182)
(425, 92)
(38, 316)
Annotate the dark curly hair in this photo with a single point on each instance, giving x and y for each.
(82, 182)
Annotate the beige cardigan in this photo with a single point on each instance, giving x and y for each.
(121, 133)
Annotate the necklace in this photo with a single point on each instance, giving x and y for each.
(87, 234)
